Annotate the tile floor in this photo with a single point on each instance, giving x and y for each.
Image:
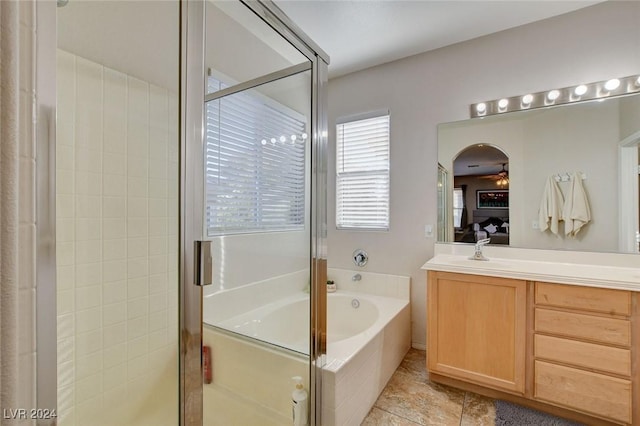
(410, 398)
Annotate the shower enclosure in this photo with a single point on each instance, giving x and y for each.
(255, 189)
(190, 199)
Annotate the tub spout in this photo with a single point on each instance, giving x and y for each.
(356, 277)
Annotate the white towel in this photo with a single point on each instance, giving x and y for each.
(576, 211)
(550, 212)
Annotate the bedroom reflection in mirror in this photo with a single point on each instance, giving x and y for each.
(481, 195)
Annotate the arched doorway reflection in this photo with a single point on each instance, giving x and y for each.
(481, 195)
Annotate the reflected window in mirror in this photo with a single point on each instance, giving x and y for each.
(458, 206)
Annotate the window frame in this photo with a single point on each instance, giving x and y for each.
(454, 208)
(258, 226)
(352, 119)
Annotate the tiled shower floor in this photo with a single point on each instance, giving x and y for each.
(410, 398)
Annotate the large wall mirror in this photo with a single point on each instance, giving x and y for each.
(495, 170)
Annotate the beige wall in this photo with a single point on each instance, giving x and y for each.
(589, 136)
(117, 246)
(591, 44)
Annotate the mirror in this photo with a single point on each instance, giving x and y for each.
(599, 140)
(480, 195)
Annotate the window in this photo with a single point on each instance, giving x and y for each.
(255, 164)
(362, 181)
(458, 205)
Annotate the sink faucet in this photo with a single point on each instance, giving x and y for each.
(478, 253)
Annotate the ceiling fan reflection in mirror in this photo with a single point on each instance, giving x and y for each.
(501, 177)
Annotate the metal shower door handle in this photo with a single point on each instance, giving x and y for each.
(203, 268)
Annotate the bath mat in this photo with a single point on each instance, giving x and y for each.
(508, 414)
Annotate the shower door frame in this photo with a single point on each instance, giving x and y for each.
(192, 100)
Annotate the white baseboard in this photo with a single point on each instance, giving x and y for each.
(417, 345)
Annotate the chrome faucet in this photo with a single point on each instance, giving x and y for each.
(478, 253)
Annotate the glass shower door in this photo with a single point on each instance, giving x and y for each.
(256, 312)
(248, 187)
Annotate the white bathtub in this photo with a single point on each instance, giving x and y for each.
(286, 323)
(365, 343)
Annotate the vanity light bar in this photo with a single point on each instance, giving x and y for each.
(579, 93)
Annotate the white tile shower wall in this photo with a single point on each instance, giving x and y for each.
(116, 241)
(26, 397)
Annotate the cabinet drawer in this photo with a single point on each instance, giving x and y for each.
(591, 393)
(588, 327)
(582, 354)
(585, 298)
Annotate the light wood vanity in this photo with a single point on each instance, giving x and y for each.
(569, 349)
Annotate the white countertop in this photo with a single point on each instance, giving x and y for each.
(575, 268)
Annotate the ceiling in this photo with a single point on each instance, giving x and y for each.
(361, 34)
(480, 160)
(356, 34)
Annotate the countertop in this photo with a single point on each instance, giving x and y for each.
(571, 267)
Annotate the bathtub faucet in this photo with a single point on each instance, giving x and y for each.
(356, 277)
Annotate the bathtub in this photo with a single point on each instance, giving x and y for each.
(348, 326)
(368, 334)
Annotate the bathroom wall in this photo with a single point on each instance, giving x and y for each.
(589, 145)
(438, 86)
(630, 111)
(117, 247)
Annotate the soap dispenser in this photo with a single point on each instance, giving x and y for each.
(299, 403)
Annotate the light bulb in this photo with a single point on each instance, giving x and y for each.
(638, 81)
(304, 136)
(553, 95)
(293, 138)
(527, 99)
(263, 141)
(612, 84)
(502, 103)
(273, 140)
(481, 107)
(282, 139)
(580, 90)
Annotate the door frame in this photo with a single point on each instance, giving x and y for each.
(628, 202)
(192, 96)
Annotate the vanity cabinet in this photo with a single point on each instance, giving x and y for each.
(567, 349)
(582, 349)
(476, 329)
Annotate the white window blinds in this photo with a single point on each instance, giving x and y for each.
(458, 205)
(362, 181)
(255, 160)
